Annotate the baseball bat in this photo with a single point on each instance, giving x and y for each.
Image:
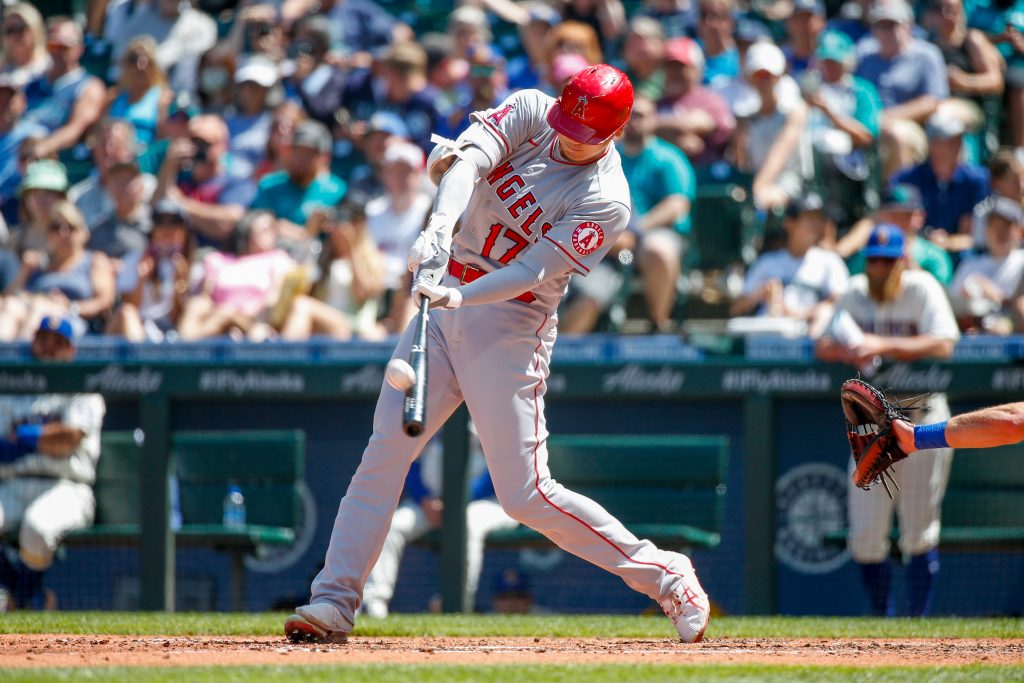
(414, 413)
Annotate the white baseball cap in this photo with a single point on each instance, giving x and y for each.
(259, 71)
(764, 56)
(891, 10)
(404, 153)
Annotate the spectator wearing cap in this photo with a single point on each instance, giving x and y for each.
(775, 147)
(257, 31)
(195, 176)
(181, 33)
(44, 184)
(909, 74)
(285, 117)
(950, 189)
(715, 35)
(249, 120)
(803, 27)
(563, 67)
(569, 38)
(141, 95)
(50, 448)
(314, 80)
(989, 288)
(487, 87)
(1006, 178)
(801, 280)
(64, 278)
(13, 131)
(606, 17)
(902, 207)
(359, 27)
(974, 67)
(691, 116)
(527, 70)
(512, 594)
(469, 30)
(399, 86)
(643, 54)
(677, 18)
(126, 229)
(305, 184)
(64, 99)
(155, 278)
(395, 219)
(111, 141)
(23, 54)
(382, 130)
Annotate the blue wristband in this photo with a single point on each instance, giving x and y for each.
(28, 436)
(930, 436)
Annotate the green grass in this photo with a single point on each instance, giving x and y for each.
(519, 673)
(135, 623)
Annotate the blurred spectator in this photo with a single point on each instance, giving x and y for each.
(910, 76)
(305, 184)
(111, 141)
(352, 268)
(399, 86)
(973, 65)
(382, 130)
(1003, 24)
(677, 18)
(569, 38)
(643, 54)
(24, 54)
(64, 279)
(318, 83)
(692, 117)
(216, 76)
(49, 455)
(606, 17)
(258, 30)
(528, 69)
(396, 219)
(180, 111)
(801, 280)
(467, 25)
(181, 33)
(989, 288)
(44, 184)
(154, 280)
(950, 189)
(803, 27)
(715, 35)
(563, 68)
(141, 95)
(64, 99)
(13, 131)
(446, 73)
(285, 117)
(243, 294)
(853, 19)
(249, 120)
(775, 144)
(194, 176)
(126, 229)
(902, 206)
(358, 26)
(512, 594)
(1006, 178)
(488, 87)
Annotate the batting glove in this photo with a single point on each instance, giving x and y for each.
(429, 243)
(445, 298)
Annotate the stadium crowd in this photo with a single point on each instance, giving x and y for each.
(171, 171)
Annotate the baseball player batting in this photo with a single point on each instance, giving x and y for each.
(541, 194)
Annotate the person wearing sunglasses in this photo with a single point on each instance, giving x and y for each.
(13, 131)
(23, 56)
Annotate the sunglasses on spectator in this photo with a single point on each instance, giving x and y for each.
(167, 219)
(58, 227)
(15, 29)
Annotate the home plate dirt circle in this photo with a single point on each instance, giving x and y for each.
(102, 650)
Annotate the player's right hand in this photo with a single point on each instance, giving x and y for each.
(429, 242)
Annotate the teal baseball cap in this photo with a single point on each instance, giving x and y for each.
(834, 46)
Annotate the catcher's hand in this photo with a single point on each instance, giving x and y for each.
(869, 427)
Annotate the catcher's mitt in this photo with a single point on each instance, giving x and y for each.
(869, 415)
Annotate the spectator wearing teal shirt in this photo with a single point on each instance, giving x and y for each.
(306, 183)
(662, 190)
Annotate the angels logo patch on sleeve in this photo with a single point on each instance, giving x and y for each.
(496, 116)
(587, 237)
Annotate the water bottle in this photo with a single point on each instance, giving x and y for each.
(234, 507)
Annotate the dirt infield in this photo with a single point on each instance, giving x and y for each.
(64, 651)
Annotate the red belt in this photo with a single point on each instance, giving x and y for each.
(467, 273)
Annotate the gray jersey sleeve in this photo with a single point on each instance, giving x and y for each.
(586, 234)
(508, 126)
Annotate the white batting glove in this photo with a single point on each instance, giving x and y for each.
(428, 243)
(445, 298)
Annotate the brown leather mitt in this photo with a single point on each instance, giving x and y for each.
(869, 415)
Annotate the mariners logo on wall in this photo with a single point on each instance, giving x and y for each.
(810, 502)
(587, 237)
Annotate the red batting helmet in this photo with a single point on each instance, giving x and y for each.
(594, 106)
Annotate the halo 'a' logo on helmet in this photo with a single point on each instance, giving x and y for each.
(580, 110)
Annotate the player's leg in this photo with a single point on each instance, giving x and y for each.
(870, 515)
(923, 480)
(502, 369)
(408, 523)
(482, 517)
(364, 514)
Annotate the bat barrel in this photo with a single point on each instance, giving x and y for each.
(414, 413)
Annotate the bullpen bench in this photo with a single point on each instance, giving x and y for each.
(266, 465)
(669, 489)
(983, 510)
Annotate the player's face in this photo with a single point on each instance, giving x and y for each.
(48, 345)
(578, 152)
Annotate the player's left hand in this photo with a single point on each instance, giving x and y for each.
(445, 298)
